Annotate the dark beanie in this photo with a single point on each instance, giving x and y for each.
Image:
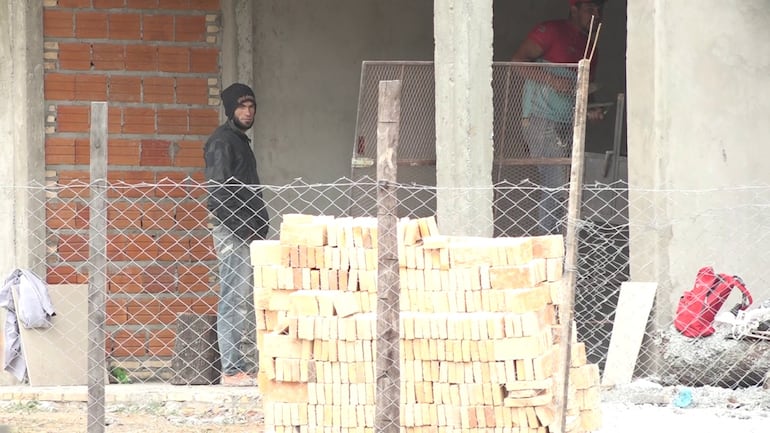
(235, 95)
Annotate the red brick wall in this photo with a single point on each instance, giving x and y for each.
(156, 63)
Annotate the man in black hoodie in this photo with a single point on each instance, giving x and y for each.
(239, 217)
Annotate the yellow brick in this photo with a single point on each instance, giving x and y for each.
(517, 276)
(287, 251)
(284, 346)
(304, 303)
(262, 298)
(590, 398)
(591, 420)
(305, 328)
(521, 300)
(280, 300)
(315, 279)
(584, 376)
(308, 234)
(347, 303)
(528, 401)
(411, 232)
(419, 257)
(558, 291)
(550, 246)
(546, 414)
(367, 280)
(326, 303)
(269, 277)
(518, 250)
(544, 366)
(554, 269)
(579, 356)
(533, 322)
(467, 254)
(303, 257)
(522, 347)
(265, 253)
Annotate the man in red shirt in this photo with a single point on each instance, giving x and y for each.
(548, 100)
(564, 40)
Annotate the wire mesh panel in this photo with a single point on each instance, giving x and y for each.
(417, 137)
(533, 106)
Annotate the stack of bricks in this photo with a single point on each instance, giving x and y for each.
(479, 332)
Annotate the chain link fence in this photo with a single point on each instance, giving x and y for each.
(168, 308)
(162, 282)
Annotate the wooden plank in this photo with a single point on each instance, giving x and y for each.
(631, 317)
(65, 341)
(195, 360)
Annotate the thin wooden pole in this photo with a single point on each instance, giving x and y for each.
(387, 374)
(97, 258)
(504, 133)
(566, 307)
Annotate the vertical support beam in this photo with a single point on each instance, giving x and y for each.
(238, 41)
(566, 309)
(464, 115)
(97, 257)
(649, 119)
(22, 136)
(238, 46)
(387, 367)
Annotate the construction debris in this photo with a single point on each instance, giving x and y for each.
(479, 331)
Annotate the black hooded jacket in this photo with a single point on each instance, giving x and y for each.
(238, 203)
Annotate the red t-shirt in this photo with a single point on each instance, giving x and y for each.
(561, 42)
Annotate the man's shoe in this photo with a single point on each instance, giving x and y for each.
(238, 379)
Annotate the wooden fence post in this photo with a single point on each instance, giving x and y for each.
(566, 308)
(387, 374)
(97, 276)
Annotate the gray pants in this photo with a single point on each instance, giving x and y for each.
(549, 139)
(236, 318)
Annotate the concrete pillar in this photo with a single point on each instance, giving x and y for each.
(696, 134)
(22, 135)
(647, 252)
(237, 45)
(22, 215)
(464, 149)
(647, 165)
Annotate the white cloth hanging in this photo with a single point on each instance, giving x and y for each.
(33, 308)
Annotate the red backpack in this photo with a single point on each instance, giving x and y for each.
(698, 307)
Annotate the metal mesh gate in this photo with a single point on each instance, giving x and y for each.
(533, 106)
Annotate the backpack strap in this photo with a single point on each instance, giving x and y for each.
(707, 276)
(718, 280)
(736, 281)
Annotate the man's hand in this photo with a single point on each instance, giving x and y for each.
(595, 114)
(561, 84)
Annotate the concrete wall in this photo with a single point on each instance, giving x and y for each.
(697, 111)
(307, 63)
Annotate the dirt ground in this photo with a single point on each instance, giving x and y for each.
(47, 417)
(640, 407)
